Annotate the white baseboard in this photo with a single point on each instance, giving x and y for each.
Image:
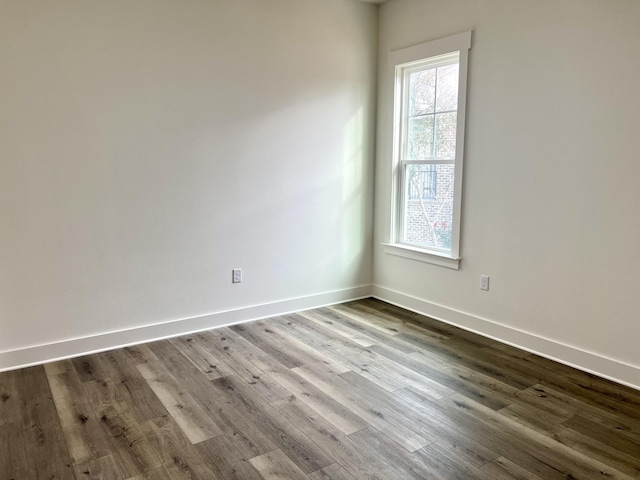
(596, 364)
(39, 354)
(602, 366)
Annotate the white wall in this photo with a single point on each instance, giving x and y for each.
(551, 196)
(149, 147)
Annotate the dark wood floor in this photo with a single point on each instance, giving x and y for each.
(360, 390)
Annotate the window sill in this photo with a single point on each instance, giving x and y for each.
(422, 255)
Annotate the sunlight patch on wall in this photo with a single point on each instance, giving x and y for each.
(353, 190)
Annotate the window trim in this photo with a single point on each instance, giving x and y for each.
(403, 58)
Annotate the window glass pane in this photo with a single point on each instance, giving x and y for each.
(420, 138)
(446, 135)
(421, 182)
(422, 92)
(447, 95)
(428, 220)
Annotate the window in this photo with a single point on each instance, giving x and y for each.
(428, 142)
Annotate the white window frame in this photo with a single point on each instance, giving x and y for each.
(401, 61)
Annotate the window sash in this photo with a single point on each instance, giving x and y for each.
(404, 196)
(403, 73)
(405, 158)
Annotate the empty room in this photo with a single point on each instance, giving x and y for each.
(319, 239)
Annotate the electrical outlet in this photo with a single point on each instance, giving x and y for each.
(484, 282)
(237, 275)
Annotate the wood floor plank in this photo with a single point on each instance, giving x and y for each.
(379, 369)
(607, 435)
(361, 390)
(139, 354)
(560, 461)
(276, 465)
(204, 359)
(449, 427)
(375, 319)
(318, 336)
(296, 445)
(305, 352)
(128, 444)
(408, 317)
(41, 427)
(270, 343)
(190, 417)
(203, 460)
(193, 380)
(178, 456)
(120, 430)
(14, 462)
(443, 460)
(334, 471)
(352, 327)
(121, 368)
(239, 353)
(157, 474)
(88, 368)
(396, 459)
(599, 449)
(481, 387)
(539, 397)
(339, 447)
(340, 327)
(326, 406)
(519, 446)
(467, 451)
(236, 450)
(585, 387)
(103, 468)
(225, 467)
(235, 352)
(374, 406)
(217, 403)
(416, 371)
(247, 439)
(504, 469)
(474, 358)
(84, 436)
(561, 404)
(532, 417)
(242, 470)
(9, 398)
(59, 367)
